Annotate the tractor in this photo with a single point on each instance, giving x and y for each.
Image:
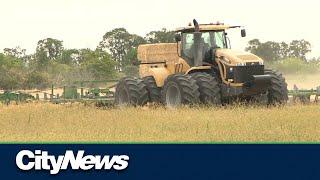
(200, 68)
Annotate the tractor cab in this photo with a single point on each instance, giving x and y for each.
(200, 42)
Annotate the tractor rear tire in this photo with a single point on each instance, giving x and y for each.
(278, 92)
(131, 92)
(209, 88)
(180, 89)
(154, 92)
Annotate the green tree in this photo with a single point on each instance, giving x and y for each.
(284, 50)
(269, 50)
(162, 36)
(130, 68)
(274, 51)
(12, 72)
(47, 50)
(17, 52)
(11, 79)
(131, 57)
(52, 47)
(37, 79)
(69, 57)
(299, 49)
(99, 63)
(10, 62)
(119, 43)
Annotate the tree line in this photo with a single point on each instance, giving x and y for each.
(113, 57)
(274, 51)
(286, 57)
(52, 63)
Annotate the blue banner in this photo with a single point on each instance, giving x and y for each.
(159, 161)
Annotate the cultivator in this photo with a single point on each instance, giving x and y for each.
(83, 92)
(6, 97)
(105, 96)
(303, 95)
(89, 92)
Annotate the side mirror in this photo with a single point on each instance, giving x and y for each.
(177, 37)
(243, 33)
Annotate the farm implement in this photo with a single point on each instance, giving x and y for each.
(86, 92)
(15, 96)
(89, 92)
(303, 95)
(99, 93)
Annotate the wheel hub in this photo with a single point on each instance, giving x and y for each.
(173, 96)
(123, 97)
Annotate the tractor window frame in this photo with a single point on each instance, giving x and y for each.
(186, 49)
(224, 39)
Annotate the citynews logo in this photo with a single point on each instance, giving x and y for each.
(40, 160)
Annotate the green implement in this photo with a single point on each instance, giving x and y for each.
(8, 96)
(304, 95)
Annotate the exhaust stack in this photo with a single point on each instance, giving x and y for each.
(198, 44)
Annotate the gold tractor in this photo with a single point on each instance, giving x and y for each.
(200, 68)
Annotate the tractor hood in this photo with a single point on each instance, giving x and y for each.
(237, 58)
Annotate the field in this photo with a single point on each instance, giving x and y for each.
(38, 122)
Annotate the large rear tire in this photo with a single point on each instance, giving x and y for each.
(278, 92)
(180, 90)
(154, 92)
(209, 88)
(131, 92)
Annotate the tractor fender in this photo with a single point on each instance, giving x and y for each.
(159, 74)
(197, 69)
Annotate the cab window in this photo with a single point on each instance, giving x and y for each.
(212, 39)
(220, 39)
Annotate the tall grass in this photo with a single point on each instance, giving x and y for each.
(77, 123)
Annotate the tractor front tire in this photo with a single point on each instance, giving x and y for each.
(209, 88)
(180, 89)
(278, 92)
(154, 92)
(131, 92)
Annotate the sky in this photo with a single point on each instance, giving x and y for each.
(82, 23)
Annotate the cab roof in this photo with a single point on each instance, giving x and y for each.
(206, 27)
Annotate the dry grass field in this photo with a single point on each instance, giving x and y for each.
(39, 122)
